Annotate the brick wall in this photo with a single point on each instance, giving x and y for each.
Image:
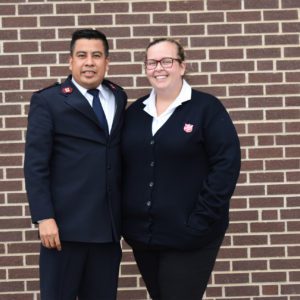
(245, 52)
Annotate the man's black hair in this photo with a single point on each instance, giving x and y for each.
(89, 34)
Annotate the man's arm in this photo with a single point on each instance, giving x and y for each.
(38, 151)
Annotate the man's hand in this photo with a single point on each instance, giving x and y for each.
(49, 234)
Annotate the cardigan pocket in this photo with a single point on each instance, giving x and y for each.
(197, 225)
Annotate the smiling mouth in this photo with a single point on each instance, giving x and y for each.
(89, 72)
(160, 77)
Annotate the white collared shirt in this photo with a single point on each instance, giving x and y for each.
(107, 100)
(150, 108)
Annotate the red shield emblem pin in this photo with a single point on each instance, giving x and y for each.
(67, 90)
(188, 128)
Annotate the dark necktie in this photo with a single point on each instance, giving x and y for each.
(97, 107)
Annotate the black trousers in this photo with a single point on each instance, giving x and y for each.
(177, 275)
(88, 271)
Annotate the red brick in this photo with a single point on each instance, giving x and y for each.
(237, 66)
(261, 4)
(293, 226)
(283, 114)
(23, 247)
(13, 72)
(269, 277)
(267, 251)
(246, 90)
(243, 16)
(137, 42)
(29, 59)
(287, 65)
(16, 46)
(284, 239)
(267, 177)
(204, 17)
(240, 215)
(38, 71)
(281, 39)
(23, 273)
(15, 97)
(8, 261)
(282, 164)
(267, 227)
(75, 8)
(37, 34)
(13, 286)
(96, 19)
(133, 19)
(291, 51)
(217, 41)
(150, 31)
(291, 27)
(148, 6)
(15, 296)
(262, 28)
(265, 65)
(283, 89)
(8, 10)
(232, 253)
(265, 77)
(8, 60)
(228, 78)
(19, 22)
(37, 84)
(57, 21)
(280, 15)
(226, 54)
(185, 30)
(186, 5)
(14, 223)
(8, 34)
(115, 7)
(224, 5)
(231, 278)
(263, 53)
(35, 9)
(136, 294)
(216, 29)
(290, 4)
(169, 18)
(244, 40)
(10, 211)
(248, 265)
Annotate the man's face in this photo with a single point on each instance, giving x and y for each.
(88, 63)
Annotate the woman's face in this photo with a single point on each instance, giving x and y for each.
(164, 79)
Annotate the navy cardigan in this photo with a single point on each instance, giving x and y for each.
(178, 183)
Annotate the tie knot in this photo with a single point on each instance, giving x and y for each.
(94, 92)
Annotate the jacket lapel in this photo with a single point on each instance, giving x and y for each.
(119, 104)
(75, 99)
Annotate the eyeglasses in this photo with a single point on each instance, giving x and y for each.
(165, 62)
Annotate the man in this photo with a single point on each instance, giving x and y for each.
(72, 174)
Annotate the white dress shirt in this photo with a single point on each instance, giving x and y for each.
(107, 100)
(150, 108)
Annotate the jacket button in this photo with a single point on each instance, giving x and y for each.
(152, 164)
(152, 142)
(151, 184)
(148, 203)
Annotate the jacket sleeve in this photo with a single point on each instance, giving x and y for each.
(38, 149)
(223, 152)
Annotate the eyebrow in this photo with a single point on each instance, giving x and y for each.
(93, 52)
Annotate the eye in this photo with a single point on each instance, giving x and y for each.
(81, 55)
(97, 55)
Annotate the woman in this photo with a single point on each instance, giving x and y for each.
(181, 164)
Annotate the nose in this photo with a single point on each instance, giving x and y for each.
(89, 60)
